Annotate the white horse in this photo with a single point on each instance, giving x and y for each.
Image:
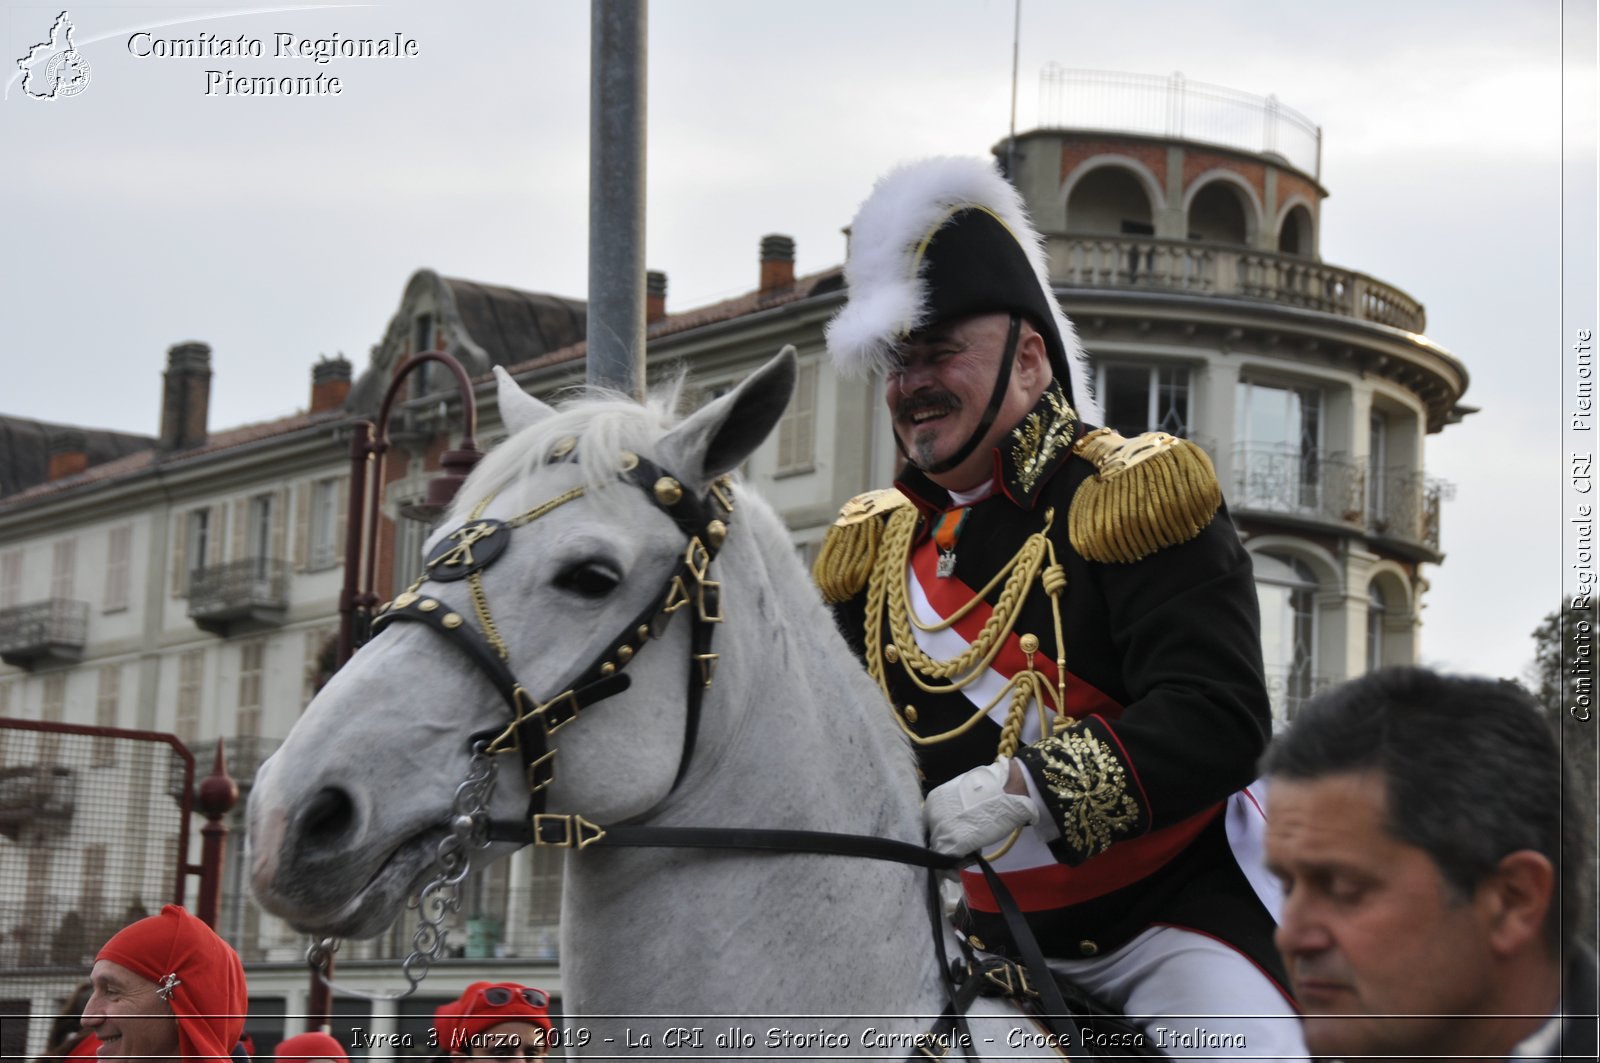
(809, 954)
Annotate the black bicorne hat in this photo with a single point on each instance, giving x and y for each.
(940, 240)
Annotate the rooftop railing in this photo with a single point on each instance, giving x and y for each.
(1146, 263)
(1174, 106)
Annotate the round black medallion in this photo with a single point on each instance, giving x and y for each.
(468, 549)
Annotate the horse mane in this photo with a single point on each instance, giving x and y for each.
(607, 421)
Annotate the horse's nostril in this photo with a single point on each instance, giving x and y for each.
(328, 817)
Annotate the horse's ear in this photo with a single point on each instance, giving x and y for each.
(716, 439)
(518, 409)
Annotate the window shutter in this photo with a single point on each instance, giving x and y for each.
(280, 520)
(341, 492)
(241, 529)
(302, 524)
(180, 545)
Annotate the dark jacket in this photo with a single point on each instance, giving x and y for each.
(1167, 705)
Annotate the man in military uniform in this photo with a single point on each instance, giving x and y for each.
(1064, 623)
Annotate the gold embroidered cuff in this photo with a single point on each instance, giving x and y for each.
(1088, 788)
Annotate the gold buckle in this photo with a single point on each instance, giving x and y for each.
(535, 784)
(706, 615)
(543, 711)
(708, 667)
(576, 832)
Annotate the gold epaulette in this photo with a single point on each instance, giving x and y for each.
(1148, 493)
(851, 546)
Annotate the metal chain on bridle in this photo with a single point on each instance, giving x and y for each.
(462, 555)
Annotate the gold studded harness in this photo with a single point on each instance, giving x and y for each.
(469, 549)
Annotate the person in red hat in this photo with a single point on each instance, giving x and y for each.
(167, 987)
(503, 1020)
(314, 1047)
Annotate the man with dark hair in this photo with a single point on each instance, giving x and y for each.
(1432, 861)
(1063, 621)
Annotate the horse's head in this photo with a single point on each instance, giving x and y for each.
(588, 581)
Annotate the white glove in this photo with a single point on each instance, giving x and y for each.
(972, 811)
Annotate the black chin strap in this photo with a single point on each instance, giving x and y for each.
(996, 396)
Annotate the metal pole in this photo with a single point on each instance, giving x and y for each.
(615, 327)
(1016, 51)
(217, 794)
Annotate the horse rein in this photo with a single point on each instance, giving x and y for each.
(468, 550)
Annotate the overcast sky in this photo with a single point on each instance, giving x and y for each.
(142, 212)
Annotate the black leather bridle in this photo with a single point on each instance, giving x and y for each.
(468, 550)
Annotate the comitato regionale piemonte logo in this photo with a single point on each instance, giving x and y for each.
(54, 69)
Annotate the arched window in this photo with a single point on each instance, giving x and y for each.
(1217, 213)
(1295, 236)
(1287, 591)
(1109, 199)
(1376, 607)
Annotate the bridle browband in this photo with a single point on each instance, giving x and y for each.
(467, 551)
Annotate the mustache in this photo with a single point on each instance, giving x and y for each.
(935, 401)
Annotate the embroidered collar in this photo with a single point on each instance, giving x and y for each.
(1024, 460)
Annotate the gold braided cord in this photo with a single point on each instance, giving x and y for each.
(888, 593)
(480, 605)
(965, 667)
(480, 600)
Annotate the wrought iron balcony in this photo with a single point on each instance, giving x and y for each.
(37, 799)
(1223, 270)
(243, 755)
(249, 592)
(1400, 508)
(1290, 688)
(54, 629)
(1404, 509)
(1309, 484)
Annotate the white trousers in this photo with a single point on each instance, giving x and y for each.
(1194, 997)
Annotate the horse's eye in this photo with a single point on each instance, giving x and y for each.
(591, 579)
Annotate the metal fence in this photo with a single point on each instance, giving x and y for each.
(91, 838)
(1177, 107)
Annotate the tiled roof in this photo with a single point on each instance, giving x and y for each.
(810, 285)
(514, 325)
(25, 449)
(150, 457)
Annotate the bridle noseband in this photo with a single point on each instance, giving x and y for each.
(478, 543)
(468, 550)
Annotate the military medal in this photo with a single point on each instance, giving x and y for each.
(945, 534)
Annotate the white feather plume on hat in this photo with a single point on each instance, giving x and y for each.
(887, 297)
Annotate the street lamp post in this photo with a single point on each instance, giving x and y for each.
(369, 444)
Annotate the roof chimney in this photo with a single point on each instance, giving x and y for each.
(330, 384)
(185, 395)
(777, 264)
(69, 452)
(655, 296)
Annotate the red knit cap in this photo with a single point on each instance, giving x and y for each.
(210, 999)
(314, 1045)
(458, 1022)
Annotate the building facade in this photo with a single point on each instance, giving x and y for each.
(191, 585)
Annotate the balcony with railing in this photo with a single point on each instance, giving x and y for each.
(251, 592)
(37, 800)
(1288, 689)
(40, 632)
(1192, 267)
(1400, 508)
